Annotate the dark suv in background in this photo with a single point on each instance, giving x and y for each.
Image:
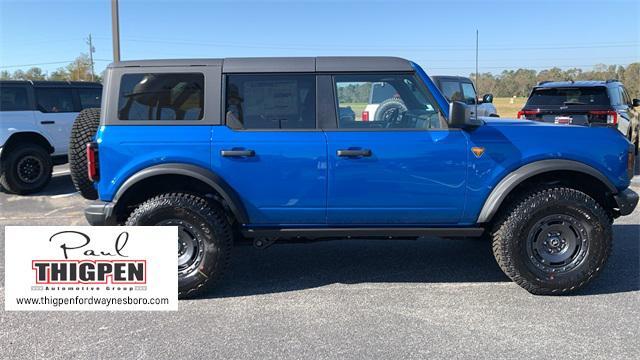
(590, 103)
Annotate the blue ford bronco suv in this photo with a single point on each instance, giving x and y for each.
(254, 149)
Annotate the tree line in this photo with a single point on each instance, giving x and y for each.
(519, 82)
(78, 70)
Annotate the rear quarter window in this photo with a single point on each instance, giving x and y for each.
(13, 99)
(569, 96)
(90, 98)
(161, 96)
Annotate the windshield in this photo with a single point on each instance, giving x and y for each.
(569, 96)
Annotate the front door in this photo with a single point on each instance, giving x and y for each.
(403, 168)
(270, 150)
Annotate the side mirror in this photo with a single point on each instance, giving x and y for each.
(460, 116)
(487, 98)
(635, 102)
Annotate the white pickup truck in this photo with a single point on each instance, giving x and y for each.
(460, 88)
(35, 125)
(383, 97)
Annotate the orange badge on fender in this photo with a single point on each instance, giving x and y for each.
(477, 151)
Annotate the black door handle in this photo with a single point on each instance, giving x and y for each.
(354, 153)
(47, 122)
(237, 153)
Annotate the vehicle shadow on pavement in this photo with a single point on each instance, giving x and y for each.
(290, 267)
(622, 272)
(59, 185)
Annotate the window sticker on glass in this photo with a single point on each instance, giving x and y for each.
(271, 98)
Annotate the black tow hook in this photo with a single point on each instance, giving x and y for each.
(263, 242)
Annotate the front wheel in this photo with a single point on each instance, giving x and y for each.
(553, 240)
(205, 237)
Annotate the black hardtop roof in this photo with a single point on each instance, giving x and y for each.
(581, 83)
(283, 64)
(42, 83)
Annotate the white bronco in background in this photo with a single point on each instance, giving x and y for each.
(35, 126)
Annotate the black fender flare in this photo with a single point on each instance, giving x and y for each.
(514, 178)
(208, 177)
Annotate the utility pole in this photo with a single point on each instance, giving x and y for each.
(115, 30)
(91, 51)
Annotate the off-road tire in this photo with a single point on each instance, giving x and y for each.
(388, 105)
(83, 132)
(511, 238)
(210, 227)
(20, 156)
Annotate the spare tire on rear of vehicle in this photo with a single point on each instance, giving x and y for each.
(83, 132)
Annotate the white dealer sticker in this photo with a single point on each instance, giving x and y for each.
(91, 268)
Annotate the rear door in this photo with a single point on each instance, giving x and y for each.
(16, 109)
(55, 113)
(406, 168)
(270, 150)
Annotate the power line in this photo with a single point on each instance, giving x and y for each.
(378, 48)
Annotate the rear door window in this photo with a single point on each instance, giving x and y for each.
(451, 90)
(271, 101)
(90, 98)
(13, 99)
(161, 96)
(54, 100)
(595, 95)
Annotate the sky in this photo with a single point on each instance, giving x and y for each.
(438, 35)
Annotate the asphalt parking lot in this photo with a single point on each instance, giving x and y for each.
(342, 299)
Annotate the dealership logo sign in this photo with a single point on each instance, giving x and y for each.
(90, 268)
(121, 271)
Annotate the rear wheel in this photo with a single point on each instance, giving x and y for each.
(83, 132)
(205, 237)
(553, 240)
(26, 169)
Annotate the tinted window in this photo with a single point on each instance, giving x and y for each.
(270, 102)
(90, 98)
(161, 96)
(54, 100)
(616, 96)
(13, 99)
(408, 106)
(381, 92)
(451, 90)
(569, 96)
(625, 96)
(469, 93)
